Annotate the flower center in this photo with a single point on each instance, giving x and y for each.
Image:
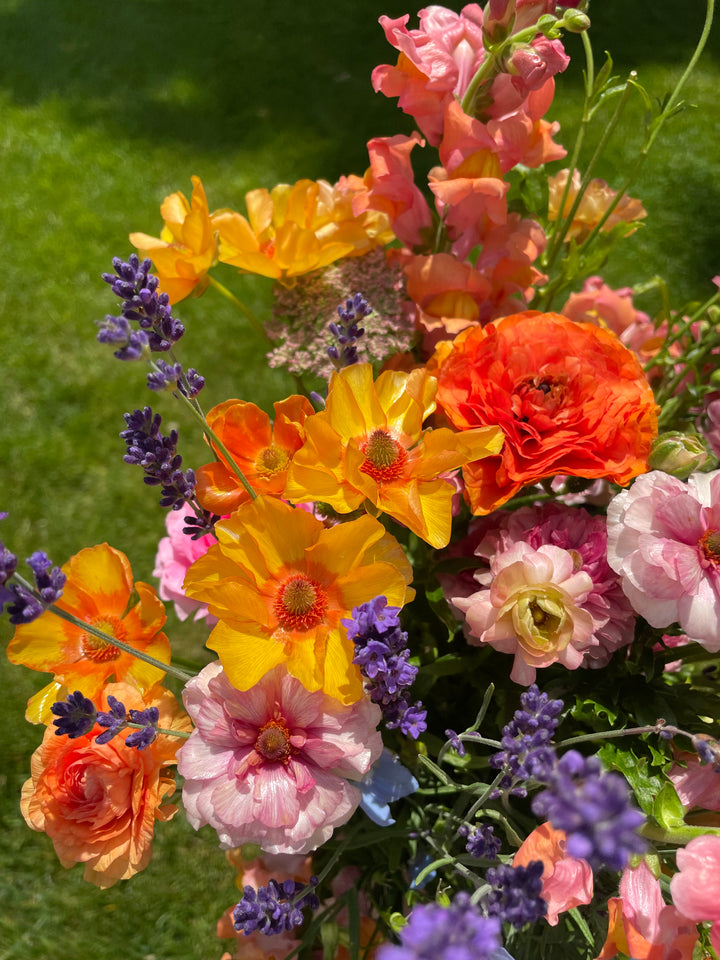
(539, 620)
(384, 457)
(535, 394)
(98, 650)
(300, 603)
(271, 460)
(273, 742)
(709, 544)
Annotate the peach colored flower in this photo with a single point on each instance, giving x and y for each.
(261, 450)
(280, 583)
(98, 590)
(596, 200)
(566, 881)
(569, 397)
(187, 247)
(98, 803)
(369, 445)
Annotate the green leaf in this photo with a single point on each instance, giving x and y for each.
(645, 785)
(329, 938)
(667, 808)
(441, 608)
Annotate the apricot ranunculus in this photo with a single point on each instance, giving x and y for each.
(280, 583)
(98, 590)
(260, 449)
(569, 398)
(595, 202)
(98, 803)
(369, 445)
(187, 246)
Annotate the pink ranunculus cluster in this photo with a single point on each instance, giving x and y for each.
(545, 591)
(271, 765)
(664, 543)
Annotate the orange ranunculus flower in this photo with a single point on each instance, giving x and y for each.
(98, 803)
(261, 450)
(596, 200)
(98, 589)
(187, 247)
(295, 229)
(280, 582)
(369, 444)
(569, 398)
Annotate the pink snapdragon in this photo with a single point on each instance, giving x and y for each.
(695, 889)
(664, 542)
(176, 553)
(696, 784)
(269, 765)
(567, 882)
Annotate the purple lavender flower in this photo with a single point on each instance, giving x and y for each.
(527, 753)
(593, 808)
(142, 304)
(76, 715)
(132, 344)
(158, 456)
(8, 564)
(170, 376)
(515, 896)
(482, 842)
(23, 604)
(347, 332)
(383, 657)
(455, 742)
(114, 719)
(457, 932)
(49, 580)
(276, 908)
(141, 739)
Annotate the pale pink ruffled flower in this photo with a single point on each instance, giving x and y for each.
(176, 553)
(269, 765)
(567, 881)
(532, 608)
(575, 530)
(696, 784)
(695, 889)
(664, 542)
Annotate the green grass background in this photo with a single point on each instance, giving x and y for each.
(104, 110)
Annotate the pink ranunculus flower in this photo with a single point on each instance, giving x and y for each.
(664, 541)
(176, 553)
(567, 881)
(695, 889)
(269, 765)
(532, 608)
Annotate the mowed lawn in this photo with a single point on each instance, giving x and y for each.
(104, 110)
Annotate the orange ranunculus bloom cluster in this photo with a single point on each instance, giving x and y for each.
(98, 591)
(569, 398)
(98, 803)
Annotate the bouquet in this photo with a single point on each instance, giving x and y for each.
(459, 592)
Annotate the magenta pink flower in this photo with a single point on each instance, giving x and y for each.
(176, 553)
(664, 542)
(269, 765)
(695, 889)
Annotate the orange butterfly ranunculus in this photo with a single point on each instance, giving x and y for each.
(569, 398)
(261, 450)
(98, 590)
(187, 247)
(280, 583)
(98, 803)
(369, 444)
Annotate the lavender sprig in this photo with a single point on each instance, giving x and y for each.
(158, 457)
(157, 329)
(347, 333)
(275, 908)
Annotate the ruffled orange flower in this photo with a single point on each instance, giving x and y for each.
(569, 398)
(98, 803)
(295, 229)
(280, 583)
(98, 590)
(596, 200)
(369, 444)
(261, 450)
(187, 246)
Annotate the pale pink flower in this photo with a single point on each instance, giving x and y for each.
(176, 553)
(664, 541)
(642, 924)
(269, 765)
(696, 784)
(695, 889)
(532, 608)
(532, 65)
(567, 881)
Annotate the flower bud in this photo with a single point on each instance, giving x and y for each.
(498, 20)
(575, 21)
(679, 454)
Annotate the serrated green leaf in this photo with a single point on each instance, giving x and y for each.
(645, 785)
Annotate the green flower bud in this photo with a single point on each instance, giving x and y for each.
(680, 454)
(575, 21)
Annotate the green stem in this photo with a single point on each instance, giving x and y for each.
(246, 311)
(168, 733)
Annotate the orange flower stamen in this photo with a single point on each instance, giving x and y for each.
(709, 545)
(98, 650)
(271, 460)
(300, 603)
(273, 742)
(384, 457)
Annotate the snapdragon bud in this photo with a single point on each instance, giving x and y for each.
(498, 20)
(575, 21)
(680, 454)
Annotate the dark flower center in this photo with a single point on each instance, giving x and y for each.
(273, 742)
(300, 603)
(709, 544)
(536, 394)
(384, 457)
